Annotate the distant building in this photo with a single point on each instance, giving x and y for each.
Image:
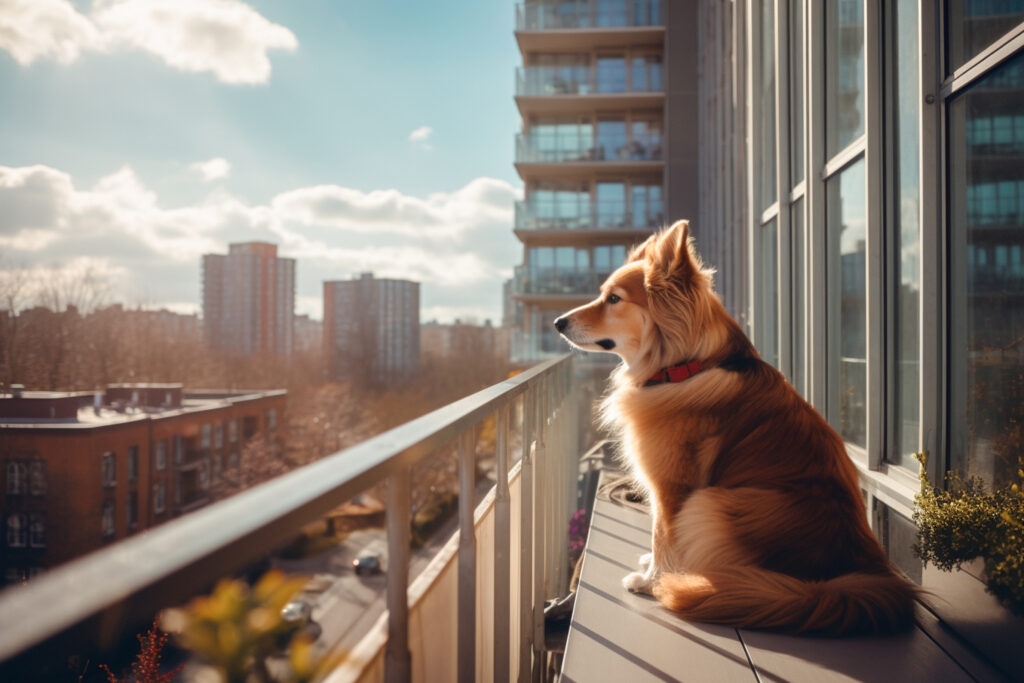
(463, 339)
(249, 300)
(80, 470)
(371, 329)
(309, 334)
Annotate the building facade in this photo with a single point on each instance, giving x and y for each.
(371, 329)
(249, 300)
(862, 194)
(607, 92)
(79, 471)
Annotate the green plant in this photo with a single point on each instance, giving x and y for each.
(964, 521)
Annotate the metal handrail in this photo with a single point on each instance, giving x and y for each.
(137, 577)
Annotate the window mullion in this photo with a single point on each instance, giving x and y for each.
(875, 289)
(782, 126)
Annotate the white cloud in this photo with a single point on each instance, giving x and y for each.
(214, 169)
(421, 134)
(458, 244)
(225, 37)
(35, 29)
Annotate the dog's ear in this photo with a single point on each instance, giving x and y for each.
(639, 252)
(669, 257)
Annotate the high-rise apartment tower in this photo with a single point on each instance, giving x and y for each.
(371, 329)
(249, 299)
(607, 92)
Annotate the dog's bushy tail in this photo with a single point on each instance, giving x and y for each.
(751, 597)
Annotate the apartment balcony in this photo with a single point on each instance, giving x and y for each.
(555, 289)
(544, 156)
(586, 24)
(476, 611)
(540, 224)
(580, 89)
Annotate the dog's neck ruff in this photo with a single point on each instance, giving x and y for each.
(675, 373)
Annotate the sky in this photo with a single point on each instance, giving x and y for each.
(357, 135)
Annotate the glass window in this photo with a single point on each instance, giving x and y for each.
(218, 435)
(17, 530)
(611, 205)
(906, 233)
(16, 477)
(109, 469)
(769, 293)
(132, 510)
(844, 76)
(796, 92)
(107, 522)
(800, 270)
(986, 283)
(611, 13)
(611, 140)
(37, 530)
(847, 233)
(648, 208)
(133, 463)
(767, 142)
(975, 24)
(646, 73)
(611, 73)
(37, 477)
(205, 437)
(159, 497)
(645, 139)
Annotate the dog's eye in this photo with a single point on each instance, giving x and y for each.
(613, 299)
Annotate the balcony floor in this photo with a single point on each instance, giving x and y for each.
(617, 635)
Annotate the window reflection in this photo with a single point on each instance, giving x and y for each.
(974, 24)
(987, 275)
(844, 78)
(906, 231)
(847, 233)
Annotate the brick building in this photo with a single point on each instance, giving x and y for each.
(80, 470)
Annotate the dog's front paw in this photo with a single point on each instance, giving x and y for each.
(638, 582)
(645, 561)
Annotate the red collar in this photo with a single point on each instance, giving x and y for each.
(675, 373)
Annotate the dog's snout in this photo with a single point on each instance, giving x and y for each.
(561, 323)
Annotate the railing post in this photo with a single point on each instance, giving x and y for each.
(540, 524)
(467, 558)
(398, 661)
(502, 541)
(526, 536)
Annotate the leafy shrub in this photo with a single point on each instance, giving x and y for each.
(964, 521)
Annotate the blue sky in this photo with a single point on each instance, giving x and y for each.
(139, 134)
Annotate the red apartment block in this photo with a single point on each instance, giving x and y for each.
(82, 470)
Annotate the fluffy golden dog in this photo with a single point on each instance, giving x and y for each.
(758, 519)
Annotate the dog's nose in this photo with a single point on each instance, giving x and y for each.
(561, 323)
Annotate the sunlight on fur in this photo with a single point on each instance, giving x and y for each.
(757, 517)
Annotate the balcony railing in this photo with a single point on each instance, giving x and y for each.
(583, 80)
(549, 149)
(541, 280)
(604, 216)
(560, 14)
(516, 537)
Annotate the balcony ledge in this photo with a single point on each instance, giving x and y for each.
(617, 635)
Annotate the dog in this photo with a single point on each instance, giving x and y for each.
(757, 516)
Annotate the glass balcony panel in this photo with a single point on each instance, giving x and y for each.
(548, 15)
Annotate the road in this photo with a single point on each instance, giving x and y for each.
(346, 605)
